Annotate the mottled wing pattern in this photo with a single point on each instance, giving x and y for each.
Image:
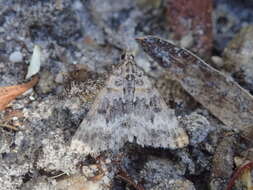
(128, 109)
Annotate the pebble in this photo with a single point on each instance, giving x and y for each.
(218, 61)
(161, 171)
(174, 184)
(187, 41)
(46, 83)
(59, 78)
(197, 126)
(16, 57)
(181, 184)
(238, 56)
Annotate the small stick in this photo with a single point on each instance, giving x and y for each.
(59, 175)
(8, 126)
(126, 178)
(238, 173)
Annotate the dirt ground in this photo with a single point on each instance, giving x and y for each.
(80, 42)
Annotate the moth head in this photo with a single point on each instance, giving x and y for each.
(127, 56)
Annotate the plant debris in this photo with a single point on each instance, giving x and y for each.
(34, 66)
(243, 170)
(9, 93)
(220, 94)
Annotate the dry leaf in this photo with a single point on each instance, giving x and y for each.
(34, 66)
(8, 93)
(220, 94)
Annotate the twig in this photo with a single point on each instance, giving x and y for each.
(238, 173)
(8, 126)
(59, 175)
(126, 178)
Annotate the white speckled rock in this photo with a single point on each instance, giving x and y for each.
(16, 57)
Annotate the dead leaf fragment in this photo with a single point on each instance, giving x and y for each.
(217, 92)
(9, 93)
(35, 63)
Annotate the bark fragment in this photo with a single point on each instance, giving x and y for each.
(223, 163)
(223, 97)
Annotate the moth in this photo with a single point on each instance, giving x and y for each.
(128, 109)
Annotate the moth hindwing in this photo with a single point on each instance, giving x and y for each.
(129, 109)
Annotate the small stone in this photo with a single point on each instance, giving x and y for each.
(108, 161)
(181, 184)
(238, 57)
(156, 170)
(46, 83)
(32, 98)
(59, 78)
(187, 41)
(197, 126)
(238, 52)
(239, 161)
(178, 184)
(90, 171)
(16, 57)
(77, 5)
(218, 61)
